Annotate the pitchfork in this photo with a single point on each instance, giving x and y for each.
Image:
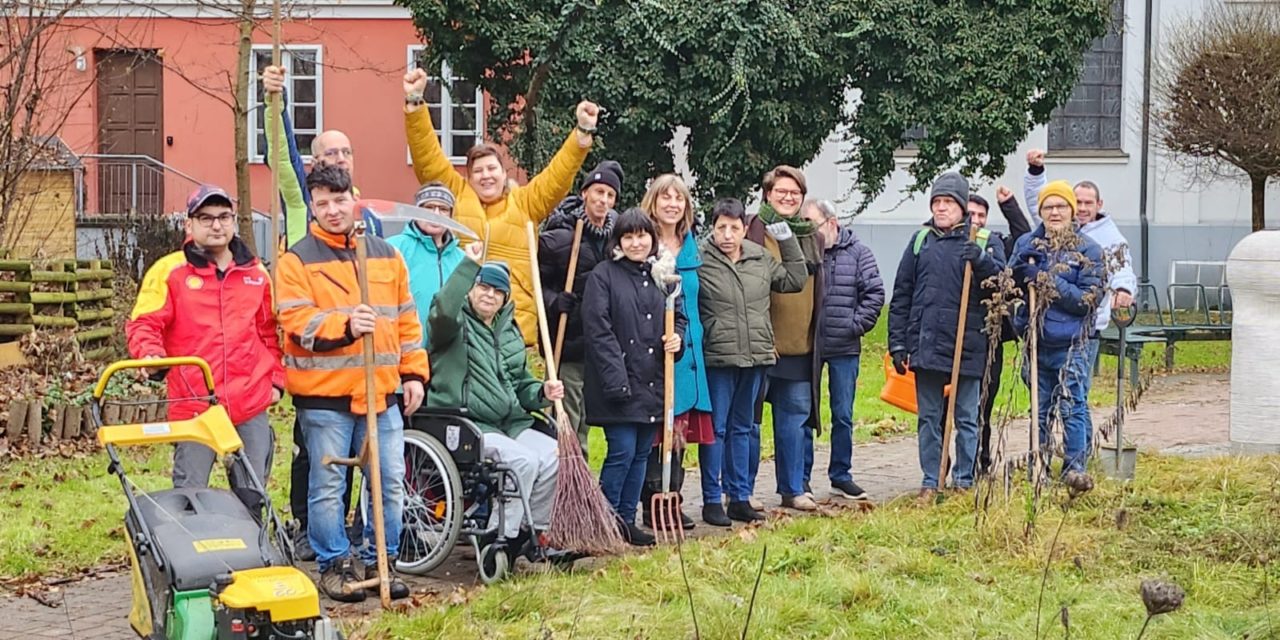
(665, 506)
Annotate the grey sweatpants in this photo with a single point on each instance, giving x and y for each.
(192, 463)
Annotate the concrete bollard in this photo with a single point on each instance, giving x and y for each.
(1253, 273)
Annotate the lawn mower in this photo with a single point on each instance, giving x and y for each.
(204, 567)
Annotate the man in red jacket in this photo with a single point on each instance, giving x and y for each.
(212, 300)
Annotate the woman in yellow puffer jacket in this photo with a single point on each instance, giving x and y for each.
(485, 201)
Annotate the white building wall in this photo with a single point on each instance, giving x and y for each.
(1188, 220)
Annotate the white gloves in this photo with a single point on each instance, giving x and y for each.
(781, 231)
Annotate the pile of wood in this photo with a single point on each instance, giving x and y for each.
(29, 422)
(59, 294)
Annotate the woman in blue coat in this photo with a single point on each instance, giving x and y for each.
(670, 205)
(625, 345)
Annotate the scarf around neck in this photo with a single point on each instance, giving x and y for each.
(799, 225)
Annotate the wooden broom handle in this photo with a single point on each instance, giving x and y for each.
(949, 427)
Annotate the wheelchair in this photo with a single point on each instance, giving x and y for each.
(452, 490)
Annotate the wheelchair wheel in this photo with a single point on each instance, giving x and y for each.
(494, 564)
(432, 504)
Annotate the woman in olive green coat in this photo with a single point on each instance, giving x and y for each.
(737, 277)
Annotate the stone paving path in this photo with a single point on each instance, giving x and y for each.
(1185, 414)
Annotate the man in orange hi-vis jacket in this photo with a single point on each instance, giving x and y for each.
(324, 322)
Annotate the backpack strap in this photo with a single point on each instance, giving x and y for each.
(984, 237)
(918, 244)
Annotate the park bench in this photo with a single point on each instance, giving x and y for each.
(1197, 324)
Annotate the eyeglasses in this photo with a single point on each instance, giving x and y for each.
(788, 193)
(1056, 208)
(225, 219)
(345, 152)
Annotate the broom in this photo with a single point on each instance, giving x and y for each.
(581, 519)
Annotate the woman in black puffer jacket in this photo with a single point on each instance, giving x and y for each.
(623, 310)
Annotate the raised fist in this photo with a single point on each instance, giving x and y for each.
(1035, 157)
(588, 115)
(415, 82)
(273, 80)
(1003, 193)
(475, 251)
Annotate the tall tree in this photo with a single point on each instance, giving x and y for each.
(1217, 92)
(762, 82)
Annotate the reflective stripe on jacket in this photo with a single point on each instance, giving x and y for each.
(319, 289)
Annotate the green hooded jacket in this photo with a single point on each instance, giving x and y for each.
(479, 368)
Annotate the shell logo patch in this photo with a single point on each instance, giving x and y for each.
(194, 282)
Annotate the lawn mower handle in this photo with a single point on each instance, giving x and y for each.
(152, 363)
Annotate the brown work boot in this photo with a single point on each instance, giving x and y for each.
(399, 590)
(799, 503)
(339, 574)
(926, 497)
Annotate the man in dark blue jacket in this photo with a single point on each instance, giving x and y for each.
(849, 308)
(1065, 268)
(924, 317)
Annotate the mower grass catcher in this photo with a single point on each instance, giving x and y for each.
(204, 566)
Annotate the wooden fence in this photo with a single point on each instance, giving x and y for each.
(30, 421)
(59, 294)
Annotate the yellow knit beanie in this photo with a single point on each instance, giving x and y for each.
(1060, 188)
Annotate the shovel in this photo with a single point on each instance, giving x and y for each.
(665, 506)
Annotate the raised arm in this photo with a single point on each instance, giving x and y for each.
(292, 193)
(552, 184)
(445, 318)
(1033, 182)
(429, 159)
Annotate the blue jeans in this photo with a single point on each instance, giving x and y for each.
(1091, 357)
(1063, 386)
(622, 475)
(726, 463)
(842, 382)
(792, 400)
(337, 433)
(931, 403)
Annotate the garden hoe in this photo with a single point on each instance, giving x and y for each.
(665, 506)
(568, 288)
(949, 426)
(368, 457)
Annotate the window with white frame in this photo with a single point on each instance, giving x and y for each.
(303, 87)
(457, 108)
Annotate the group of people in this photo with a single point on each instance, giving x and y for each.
(763, 304)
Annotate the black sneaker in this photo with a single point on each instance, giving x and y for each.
(635, 536)
(399, 590)
(686, 522)
(301, 545)
(342, 573)
(848, 489)
(713, 514)
(742, 512)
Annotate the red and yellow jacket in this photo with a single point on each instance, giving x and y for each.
(318, 290)
(185, 307)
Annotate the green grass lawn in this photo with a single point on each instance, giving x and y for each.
(64, 514)
(909, 572)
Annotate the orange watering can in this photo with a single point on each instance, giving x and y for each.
(900, 389)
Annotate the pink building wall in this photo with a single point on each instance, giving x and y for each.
(362, 59)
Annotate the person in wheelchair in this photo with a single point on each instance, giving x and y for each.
(478, 354)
